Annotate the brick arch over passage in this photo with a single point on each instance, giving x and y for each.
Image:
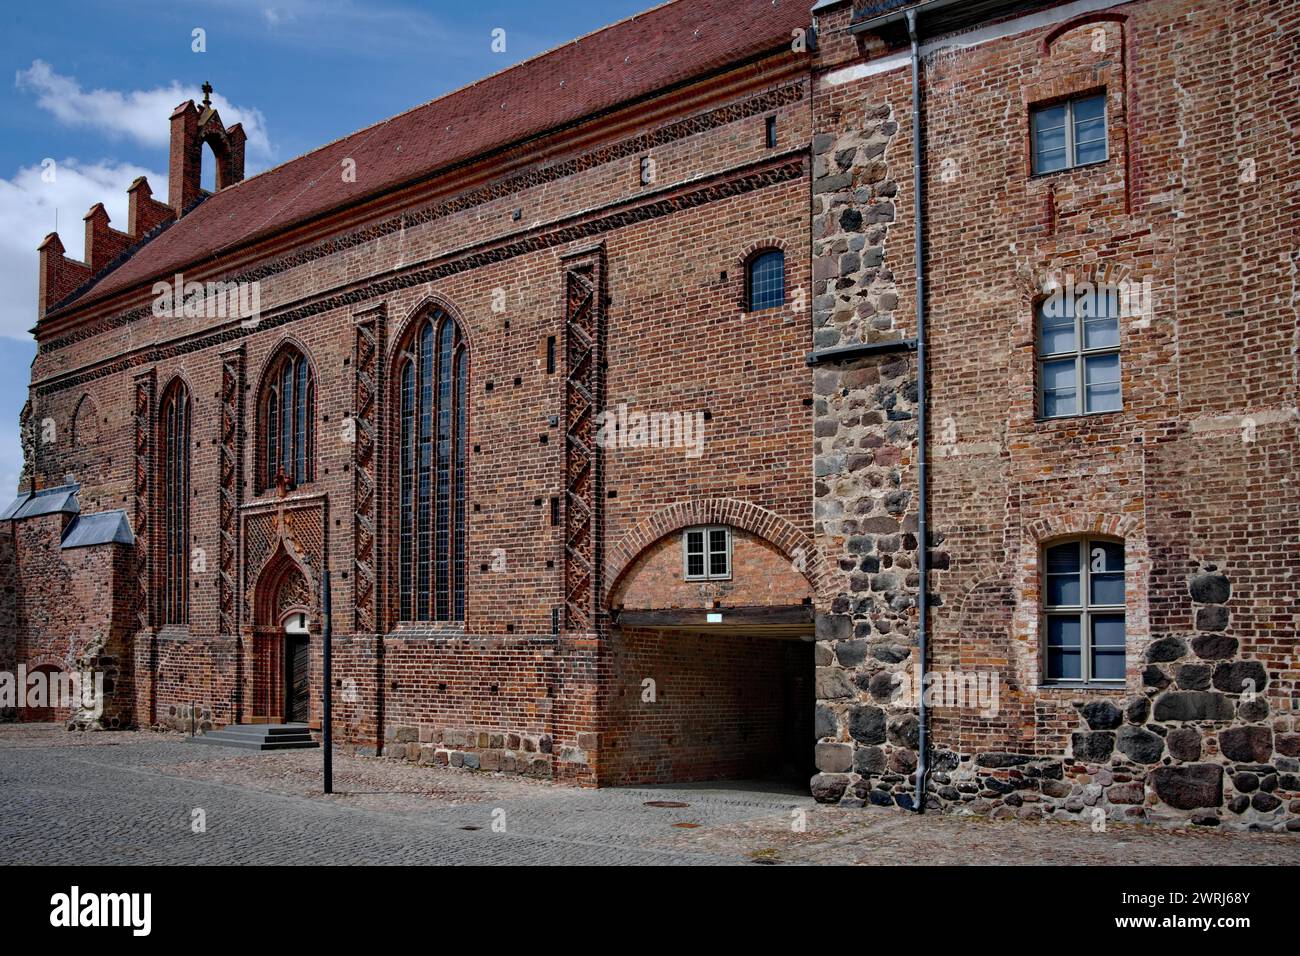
(777, 531)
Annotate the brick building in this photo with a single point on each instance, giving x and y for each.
(615, 392)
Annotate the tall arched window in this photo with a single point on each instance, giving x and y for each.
(431, 435)
(765, 280)
(287, 421)
(174, 497)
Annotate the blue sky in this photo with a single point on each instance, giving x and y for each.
(90, 85)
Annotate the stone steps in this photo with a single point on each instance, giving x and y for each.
(260, 737)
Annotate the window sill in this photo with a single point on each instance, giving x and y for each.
(1041, 420)
(1117, 686)
(1069, 169)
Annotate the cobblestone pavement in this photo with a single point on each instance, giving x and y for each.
(73, 798)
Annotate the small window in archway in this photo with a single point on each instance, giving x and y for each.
(765, 280)
(706, 554)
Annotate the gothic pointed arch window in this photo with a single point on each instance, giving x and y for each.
(85, 423)
(174, 500)
(286, 421)
(432, 429)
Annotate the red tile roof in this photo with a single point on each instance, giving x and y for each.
(629, 59)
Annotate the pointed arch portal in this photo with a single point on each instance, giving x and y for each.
(284, 621)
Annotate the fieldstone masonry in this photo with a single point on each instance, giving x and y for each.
(852, 207)
(1196, 746)
(533, 755)
(864, 481)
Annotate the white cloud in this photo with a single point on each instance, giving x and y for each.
(140, 115)
(27, 206)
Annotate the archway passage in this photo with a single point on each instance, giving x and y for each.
(712, 680)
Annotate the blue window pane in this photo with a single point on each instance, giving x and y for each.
(1093, 108)
(1106, 556)
(1100, 333)
(767, 280)
(1063, 664)
(1059, 375)
(1056, 334)
(1063, 558)
(1101, 377)
(1063, 590)
(1106, 573)
(1107, 589)
(1063, 575)
(1108, 646)
(1058, 305)
(1049, 160)
(1107, 664)
(1090, 152)
(1049, 140)
(1064, 648)
(1059, 388)
(1108, 630)
(1064, 631)
(1090, 130)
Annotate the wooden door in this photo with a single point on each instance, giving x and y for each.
(297, 697)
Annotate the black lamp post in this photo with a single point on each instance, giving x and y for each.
(327, 734)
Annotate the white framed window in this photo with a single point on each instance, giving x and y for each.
(706, 553)
(1078, 353)
(1083, 611)
(1069, 134)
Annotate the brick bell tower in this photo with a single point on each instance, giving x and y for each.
(192, 126)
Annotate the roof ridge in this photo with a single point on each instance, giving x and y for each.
(442, 96)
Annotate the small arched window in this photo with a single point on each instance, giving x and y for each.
(1083, 608)
(287, 421)
(765, 280)
(174, 494)
(432, 429)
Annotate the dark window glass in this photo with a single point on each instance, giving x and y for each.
(433, 432)
(288, 422)
(766, 280)
(1069, 134)
(1079, 352)
(694, 554)
(706, 553)
(1083, 600)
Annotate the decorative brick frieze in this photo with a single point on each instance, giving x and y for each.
(145, 386)
(671, 200)
(584, 306)
(230, 456)
(367, 365)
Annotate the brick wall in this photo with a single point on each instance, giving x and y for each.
(673, 250)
